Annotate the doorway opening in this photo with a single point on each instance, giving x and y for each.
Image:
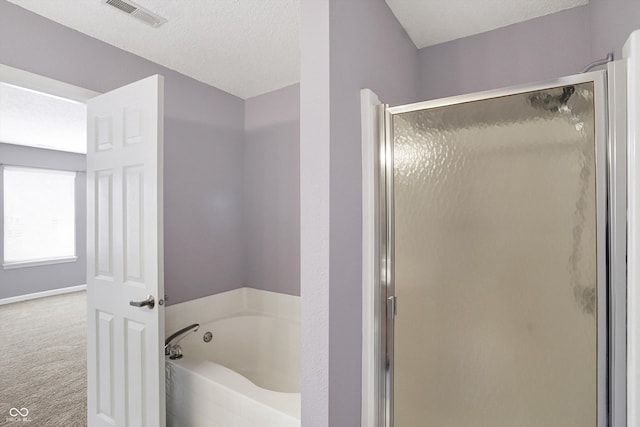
(43, 249)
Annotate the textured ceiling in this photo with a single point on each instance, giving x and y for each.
(250, 47)
(244, 47)
(430, 22)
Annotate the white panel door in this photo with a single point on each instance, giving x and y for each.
(125, 257)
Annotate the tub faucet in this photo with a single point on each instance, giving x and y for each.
(171, 347)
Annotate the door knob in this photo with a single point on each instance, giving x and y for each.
(150, 302)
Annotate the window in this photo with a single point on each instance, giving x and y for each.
(39, 216)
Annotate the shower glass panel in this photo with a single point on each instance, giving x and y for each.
(496, 262)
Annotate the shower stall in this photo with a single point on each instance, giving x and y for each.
(500, 258)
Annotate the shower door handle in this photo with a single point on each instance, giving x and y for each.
(392, 306)
(150, 302)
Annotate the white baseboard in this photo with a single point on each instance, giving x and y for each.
(43, 294)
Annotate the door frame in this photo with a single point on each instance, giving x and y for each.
(39, 83)
(377, 255)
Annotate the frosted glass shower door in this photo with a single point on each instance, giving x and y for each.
(499, 265)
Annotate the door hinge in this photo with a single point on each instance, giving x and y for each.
(392, 303)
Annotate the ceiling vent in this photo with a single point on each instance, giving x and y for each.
(139, 12)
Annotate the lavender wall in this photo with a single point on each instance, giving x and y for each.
(368, 48)
(540, 49)
(611, 22)
(204, 130)
(315, 133)
(21, 281)
(272, 191)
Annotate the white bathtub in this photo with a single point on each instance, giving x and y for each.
(247, 376)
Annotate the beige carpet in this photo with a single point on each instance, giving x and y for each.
(43, 361)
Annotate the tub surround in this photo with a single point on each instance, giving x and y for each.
(203, 392)
(264, 349)
(243, 300)
(194, 400)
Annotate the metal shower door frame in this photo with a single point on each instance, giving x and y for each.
(610, 159)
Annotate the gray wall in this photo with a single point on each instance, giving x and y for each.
(20, 281)
(367, 48)
(272, 191)
(204, 130)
